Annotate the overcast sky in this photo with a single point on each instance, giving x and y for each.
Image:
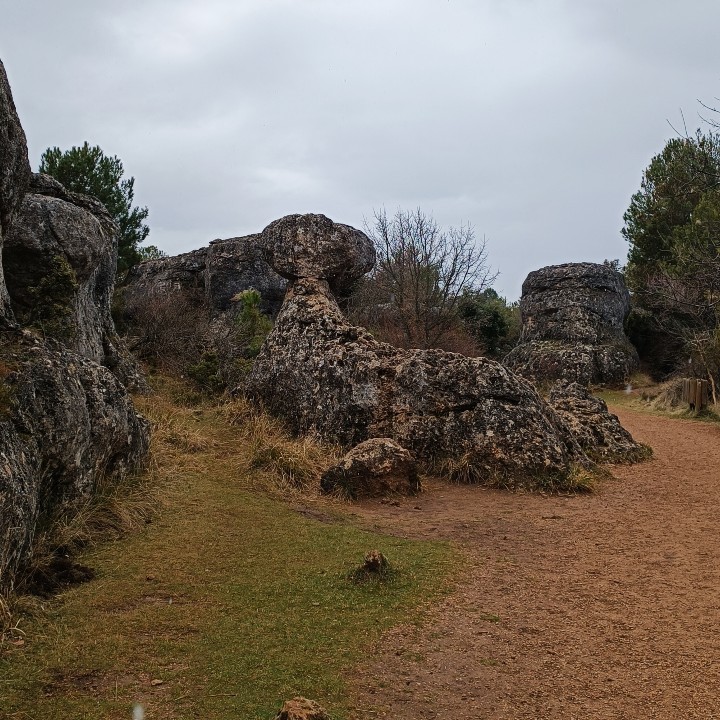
(531, 120)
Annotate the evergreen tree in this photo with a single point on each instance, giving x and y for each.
(88, 170)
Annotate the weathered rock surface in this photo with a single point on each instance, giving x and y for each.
(573, 318)
(217, 273)
(300, 708)
(59, 260)
(66, 423)
(374, 468)
(14, 172)
(598, 431)
(313, 246)
(321, 374)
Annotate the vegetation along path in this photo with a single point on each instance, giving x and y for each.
(598, 606)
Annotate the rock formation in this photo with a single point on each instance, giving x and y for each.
(374, 468)
(59, 260)
(66, 422)
(321, 374)
(573, 318)
(216, 273)
(14, 172)
(597, 430)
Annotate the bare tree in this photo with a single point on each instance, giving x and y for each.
(421, 273)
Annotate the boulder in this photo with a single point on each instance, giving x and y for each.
(14, 173)
(597, 430)
(300, 708)
(323, 375)
(313, 246)
(573, 317)
(216, 274)
(374, 468)
(59, 258)
(67, 423)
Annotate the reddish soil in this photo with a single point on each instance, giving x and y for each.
(596, 606)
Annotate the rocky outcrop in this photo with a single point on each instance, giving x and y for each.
(216, 274)
(374, 468)
(573, 318)
(59, 260)
(598, 431)
(14, 173)
(67, 423)
(323, 375)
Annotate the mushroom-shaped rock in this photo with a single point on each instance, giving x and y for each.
(596, 429)
(313, 246)
(300, 708)
(374, 468)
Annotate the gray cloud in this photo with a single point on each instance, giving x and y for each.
(531, 120)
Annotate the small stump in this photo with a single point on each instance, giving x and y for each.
(300, 708)
(374, 567)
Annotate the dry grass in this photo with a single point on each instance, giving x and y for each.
(466, 470)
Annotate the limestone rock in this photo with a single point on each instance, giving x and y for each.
(59, 260)
(598, 431)
(14, 172)
(66, 423)
(300, 708)
(215, 273)
(573, 318)
(299, 246)
(323, 375)
(374, 468)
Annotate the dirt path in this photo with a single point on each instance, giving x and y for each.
(603, 606)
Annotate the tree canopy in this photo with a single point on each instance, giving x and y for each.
(421, 273)
(88, 170)
(673, 227)
(673, 185)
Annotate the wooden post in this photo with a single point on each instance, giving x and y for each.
(695, 393)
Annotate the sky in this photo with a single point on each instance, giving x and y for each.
(530, 120)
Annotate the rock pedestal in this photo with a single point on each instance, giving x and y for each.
(572, 319)
(321, 374)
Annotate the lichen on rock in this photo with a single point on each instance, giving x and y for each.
(572, 317)
(597, 430)
(376, 467)
(323, 375)
(67, 422)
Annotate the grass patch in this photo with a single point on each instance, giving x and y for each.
(229, 598)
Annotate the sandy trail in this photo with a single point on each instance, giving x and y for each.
(603, 606)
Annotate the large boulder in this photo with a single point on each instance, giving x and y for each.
(67, 423)
(323, 375)
(214, 274)
(313, 246)
(14, 172)
(573, 317)
(59, 257)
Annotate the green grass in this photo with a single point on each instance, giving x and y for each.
(229, 597)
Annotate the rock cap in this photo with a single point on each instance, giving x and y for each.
(298, 246)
